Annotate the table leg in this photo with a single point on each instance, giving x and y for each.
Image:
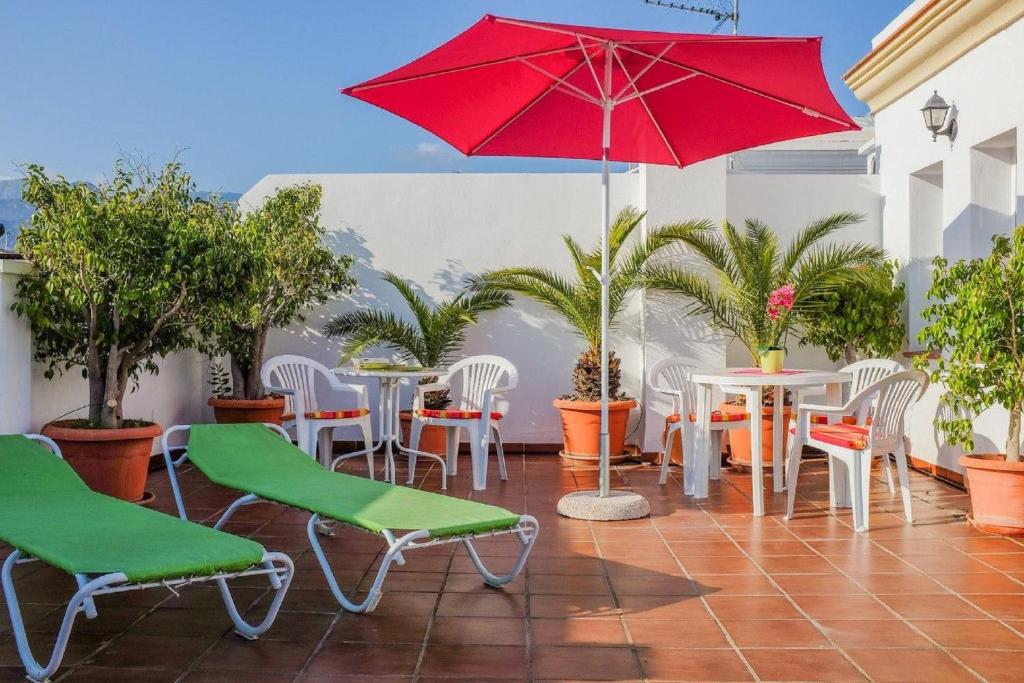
(838, 473)
(389, 437)
(753, 395)
(778, 425)
(695, 477)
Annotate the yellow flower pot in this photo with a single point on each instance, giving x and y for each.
(771, 360)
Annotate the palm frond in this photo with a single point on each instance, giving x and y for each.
(419, 307)
(363, 329)
(814, 233)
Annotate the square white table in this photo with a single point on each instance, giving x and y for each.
(749, 382)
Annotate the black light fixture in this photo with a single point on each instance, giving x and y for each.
(935, 112)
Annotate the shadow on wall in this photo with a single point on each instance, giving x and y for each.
(948, 452)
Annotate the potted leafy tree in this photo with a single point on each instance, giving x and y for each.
(430, 339)
(578, 301)
(976, 326)
(758, 291)
(120, 272)
(859, 318)
(283, 269)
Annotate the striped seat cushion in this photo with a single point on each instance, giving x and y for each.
(844, 435)
(329, 414)
(456, 414)
(819, 419)
(716, 416)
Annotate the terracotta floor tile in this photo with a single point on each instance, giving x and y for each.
(817, 584)
(555, 584)
(661, 607)
(719, 565)
(377, 628)
(639, 584)
(721, 548)
(971, 634)
(900, 583)
(775, 634)
(275, 656)
(676, 634)
(472, 605)
(366, 659)
(891, 633)
(566, 606)
(1007, 562)
(796, 564)
(927, 606)
(734, 584)
(478, 631)
(990, 582)
(802, 665)
(933, 666)
(693, 665)
(603, 631)
(1000, 606)
(1002, 667)
(843, 607)
(142, 651)
(474, 662)
(731, 607)
(584, 663)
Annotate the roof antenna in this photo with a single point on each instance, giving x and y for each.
(721, 11)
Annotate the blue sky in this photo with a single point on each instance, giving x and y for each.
(242, 88)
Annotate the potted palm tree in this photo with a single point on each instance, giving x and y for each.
(578, 301)
(976, 327)
(282, 269)
(121, 271)
(757, 290)
(430, 339)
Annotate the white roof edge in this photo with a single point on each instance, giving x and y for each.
(900, 19)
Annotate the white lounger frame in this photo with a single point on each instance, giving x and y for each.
(276, 566)
(526, 531)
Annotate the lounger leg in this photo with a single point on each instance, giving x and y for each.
(279, 582)
(36, 671)
(527, 536)
(373, 596)
(247, 499)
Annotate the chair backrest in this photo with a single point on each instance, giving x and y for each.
(674, 374)
(297, 373)
(478, 374)
(865, 373)
(893, 396)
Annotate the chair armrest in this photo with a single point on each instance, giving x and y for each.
(279, 390)
(360, 390)
(502, 390)
(676, 395)
(827, 410)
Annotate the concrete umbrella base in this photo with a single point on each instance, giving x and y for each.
(618, 505)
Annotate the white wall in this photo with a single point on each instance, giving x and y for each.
(987, 87)
(15, 355)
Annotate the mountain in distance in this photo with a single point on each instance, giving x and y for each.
(14, 212)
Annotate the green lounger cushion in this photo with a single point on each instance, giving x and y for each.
(48, 512)
(252, 458)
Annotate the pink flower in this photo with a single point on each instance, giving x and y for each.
(779, 300)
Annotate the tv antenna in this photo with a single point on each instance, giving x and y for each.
(721, 11)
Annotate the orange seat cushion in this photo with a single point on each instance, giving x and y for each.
(844, 435)
(329, 414)
(716, 416)
(456, 414)
(819, 419)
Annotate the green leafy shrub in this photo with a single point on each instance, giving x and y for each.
(976, 325)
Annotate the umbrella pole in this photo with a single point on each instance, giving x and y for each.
(605, 476)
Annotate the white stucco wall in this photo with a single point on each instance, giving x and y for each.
(948, 199)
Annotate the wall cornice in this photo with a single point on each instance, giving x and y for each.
(941, 32)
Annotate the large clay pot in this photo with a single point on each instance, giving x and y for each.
(111, 461)
(997, 493)
(739, 439)
(581, 428)
(235, 410)
(432, 437)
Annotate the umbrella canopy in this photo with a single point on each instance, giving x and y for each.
(509, 87)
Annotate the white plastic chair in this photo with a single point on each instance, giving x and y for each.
(479, 411)
(295, 378)
(855, 445)
(671, 377)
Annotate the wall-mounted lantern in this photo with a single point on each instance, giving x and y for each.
(936, 112)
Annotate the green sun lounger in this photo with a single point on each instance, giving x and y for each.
(48, 514)
(252, 458)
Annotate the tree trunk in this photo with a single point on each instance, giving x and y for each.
(110, 410)
(1013, 438)
(97, 385)
(253, 383)
(851, 353)
(237, 379)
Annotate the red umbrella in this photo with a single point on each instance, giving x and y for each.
(509, 87)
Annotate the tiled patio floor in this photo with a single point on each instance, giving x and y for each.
(697, 592)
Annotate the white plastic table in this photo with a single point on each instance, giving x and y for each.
(749, 382)
(390, 426)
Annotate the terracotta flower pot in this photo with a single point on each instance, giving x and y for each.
(997, 493)
(111, 461)
(235, 410)
(739, 439)
(432, 437)
(581, 428)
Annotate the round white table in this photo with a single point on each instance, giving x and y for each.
(390, 381)
(749, 382)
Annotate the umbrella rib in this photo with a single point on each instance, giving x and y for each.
(590, 64)
(654, 121)
(656, 88)
(457, 69)
(571, 89)
(721, 79)
(640, 74)
(515, 117)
